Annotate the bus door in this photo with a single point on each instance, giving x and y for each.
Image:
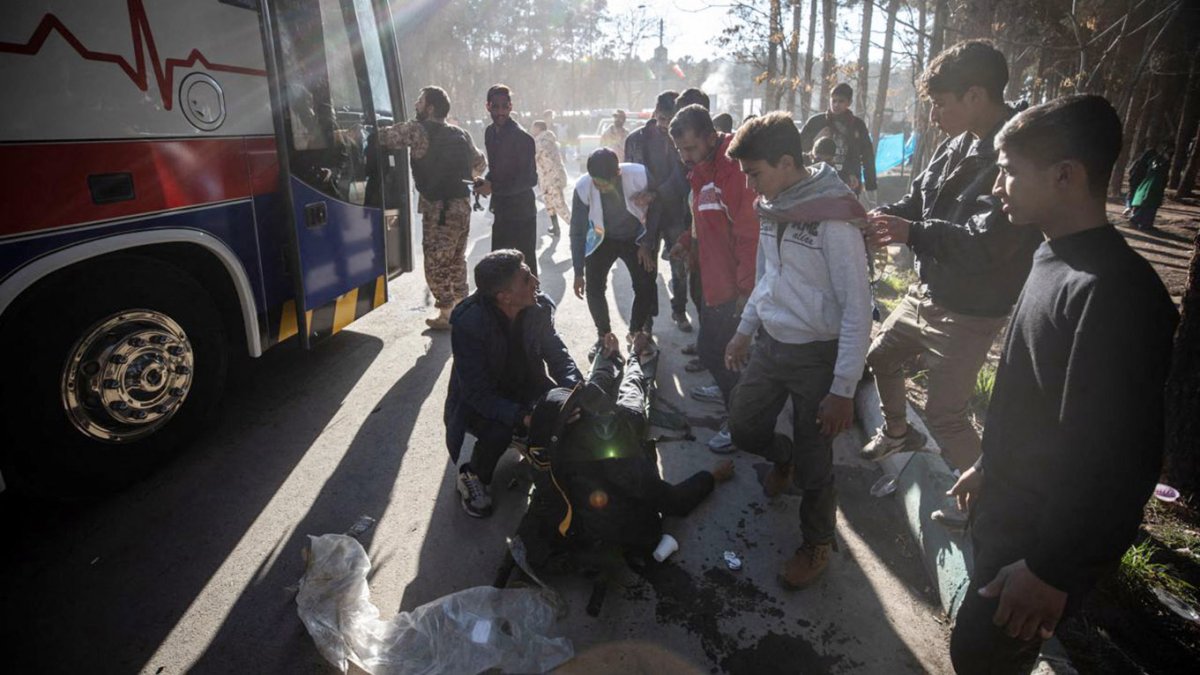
(330, 173)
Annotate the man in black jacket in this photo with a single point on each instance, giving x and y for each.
(503, 339)
(854, 158)
(972, 263)
(511, 177)
(652, 147)
(1074, 436)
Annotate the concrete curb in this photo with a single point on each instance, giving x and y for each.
(922, 481)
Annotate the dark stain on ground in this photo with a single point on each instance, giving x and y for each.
(699, 605)
(776, 653)
(757, 508)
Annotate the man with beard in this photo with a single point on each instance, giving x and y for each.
(512, 174)
(444, 161)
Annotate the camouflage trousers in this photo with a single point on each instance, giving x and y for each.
(552, 197)
(445, 228)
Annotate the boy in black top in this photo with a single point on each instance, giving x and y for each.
(1074, 435)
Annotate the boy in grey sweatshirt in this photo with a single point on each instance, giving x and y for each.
(810, 321)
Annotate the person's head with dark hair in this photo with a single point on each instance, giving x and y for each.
(1055, 161)
(619, 119)
(499, 104)
(749, 117)
(664, 108)
(965, 86)
(694, 134)
(432, 103)
(538, 126)
(604, 167)
(692, 96)
(724, 123)
(548, 115)
(770, 152)
(504, 277)
(824, 150)
(840, 98)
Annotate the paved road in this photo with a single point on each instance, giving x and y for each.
(192, 570)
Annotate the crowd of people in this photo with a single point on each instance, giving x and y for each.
(767, 235)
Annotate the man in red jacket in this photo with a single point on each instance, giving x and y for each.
(725, 233)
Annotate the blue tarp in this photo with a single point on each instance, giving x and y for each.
(892, 151)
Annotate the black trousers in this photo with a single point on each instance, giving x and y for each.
(977, 646)
(718, 325)
(492, 439)
(595, 275)
(515, 225)
(776, 371)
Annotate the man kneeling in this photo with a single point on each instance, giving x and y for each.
(597, 490)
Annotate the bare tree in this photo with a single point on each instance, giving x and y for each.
(828, 57)
(794, 55)
(864, 59)
(885, 68)
(806, 96)
(1187, 124)
(1182, 440)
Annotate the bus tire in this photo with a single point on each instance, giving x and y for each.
(113, 366)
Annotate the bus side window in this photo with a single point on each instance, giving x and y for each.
(325, 109)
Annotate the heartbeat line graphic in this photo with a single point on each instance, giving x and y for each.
(143, 41)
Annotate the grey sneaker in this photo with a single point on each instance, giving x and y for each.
(722, 441)
(474, 495)
(883, 445)
(709, 394)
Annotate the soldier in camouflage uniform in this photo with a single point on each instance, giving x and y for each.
(444, 161)
(552, 174)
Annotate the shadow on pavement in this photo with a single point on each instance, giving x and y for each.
(98, 587)
(362, 483)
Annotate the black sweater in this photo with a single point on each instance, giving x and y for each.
(1073, 444)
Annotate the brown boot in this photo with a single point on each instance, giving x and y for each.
(441, 321)
(778, 479)
(802, 569)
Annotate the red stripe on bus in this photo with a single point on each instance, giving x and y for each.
(48, 182)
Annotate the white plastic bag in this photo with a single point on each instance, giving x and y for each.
(465, 632)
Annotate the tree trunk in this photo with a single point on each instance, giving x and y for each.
(885, 68)
(828, 58)
(772, 58)
(864, 60)
(1130, 140)
(922, 11)
(937, 37)
(1181, 466)
(1187, 182)
(794, 55)
(806, 96)
(1188, 121)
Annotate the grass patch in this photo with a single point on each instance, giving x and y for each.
(985, 382)
(1139, 573)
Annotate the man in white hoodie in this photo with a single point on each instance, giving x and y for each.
(608, 223)
(809, 318)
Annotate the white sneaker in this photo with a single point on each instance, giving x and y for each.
(709, 394)
(882, 445)
(722, 441)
